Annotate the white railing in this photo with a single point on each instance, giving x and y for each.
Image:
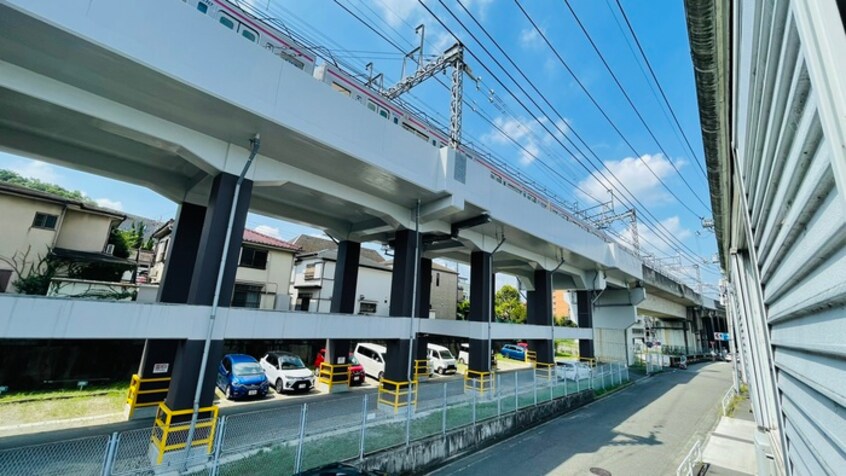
(726, 401)
(694, 457)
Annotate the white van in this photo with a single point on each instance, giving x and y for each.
(464, 353)
(372, 358)
(441, 359)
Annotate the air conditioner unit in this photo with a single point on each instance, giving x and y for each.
(110, 249)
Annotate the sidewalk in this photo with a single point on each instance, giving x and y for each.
(730, 450)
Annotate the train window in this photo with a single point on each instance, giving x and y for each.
(371, 105)
(396, 120)
(248, 33)
(202, 7)
(383, 113)
(340, 89)
(226, 21)
(434, 143)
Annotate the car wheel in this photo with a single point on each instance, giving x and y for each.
(228, 392)
(279, 386)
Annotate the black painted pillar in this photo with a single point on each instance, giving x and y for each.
(343, 295)
(402, 303)
(203, 282)
(481, 306)
(584, 313)
(158, 356)
(424, 296)
(539, 313)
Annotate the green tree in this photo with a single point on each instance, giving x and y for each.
(508, 306)
(462, 311)
(14, 178)
(134, 236)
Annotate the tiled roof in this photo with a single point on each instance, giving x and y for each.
(252, 236)
(312, 244)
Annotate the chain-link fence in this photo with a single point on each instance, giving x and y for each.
(291, 439)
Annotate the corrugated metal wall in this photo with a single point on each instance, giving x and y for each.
(788, 269)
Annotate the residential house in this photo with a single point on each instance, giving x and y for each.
(561, 304)
(39, 224)
(314, 272)
(264, 268)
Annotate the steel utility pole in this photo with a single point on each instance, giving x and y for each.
(452, 58)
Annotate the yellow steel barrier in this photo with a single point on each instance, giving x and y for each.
(397, 397)
(479, 381)
(329, 374)
(421, 368)
(135, 390)
(591, 361)
(166, 428)
(545, 370)
(531, 356)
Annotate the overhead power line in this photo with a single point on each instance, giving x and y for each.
(633, 106)
(660, 88)
(660, 231)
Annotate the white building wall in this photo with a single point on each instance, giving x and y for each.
(82, 231)
(17, 233)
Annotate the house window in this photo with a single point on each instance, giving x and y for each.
(253, 258)
(309, 271)
(247, 295)
(437, 279)
(5, 276)
(44, 220)
(367, 307)
(303, 302)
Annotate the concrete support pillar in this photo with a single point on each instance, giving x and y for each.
(481, 302)
(584, 317)
(539, 312)
(343, 295)
(402, 303)
(158, 356)
(203, 282)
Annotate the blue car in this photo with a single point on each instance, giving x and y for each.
(512, 351)
(241, 376)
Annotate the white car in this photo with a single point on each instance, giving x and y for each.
(441, 359)
(571, 370)
(464, 353)
(372, 357)
(287, 372)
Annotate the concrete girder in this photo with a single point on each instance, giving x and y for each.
(656, 306)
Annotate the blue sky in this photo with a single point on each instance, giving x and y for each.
(660, 27)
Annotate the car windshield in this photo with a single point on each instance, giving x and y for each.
(246, 369)
(290, 362)
(446, 355)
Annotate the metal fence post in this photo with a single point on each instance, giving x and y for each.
(474, 408)
(516, 394)
(498, 396)
(535, 386)
(627, 374)
(111, 452)
(408, 416)
(444, 412)
(363, 434)
(218, 445)
(602, 380)
(578, 381)
(299, 461)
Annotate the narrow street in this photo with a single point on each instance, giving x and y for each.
(645, 429)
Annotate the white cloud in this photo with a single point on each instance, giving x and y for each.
(529, 38)
(396, 12)
(108, 203)
(37, 170)
(269, 231)
(634, 174)
(527, 132)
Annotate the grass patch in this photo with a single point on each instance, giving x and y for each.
(54, 394)
(43, 406)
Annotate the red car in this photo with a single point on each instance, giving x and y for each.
(356, 369)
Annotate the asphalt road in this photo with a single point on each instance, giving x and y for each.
(645, 429)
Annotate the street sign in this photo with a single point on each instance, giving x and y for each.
(723, 336)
